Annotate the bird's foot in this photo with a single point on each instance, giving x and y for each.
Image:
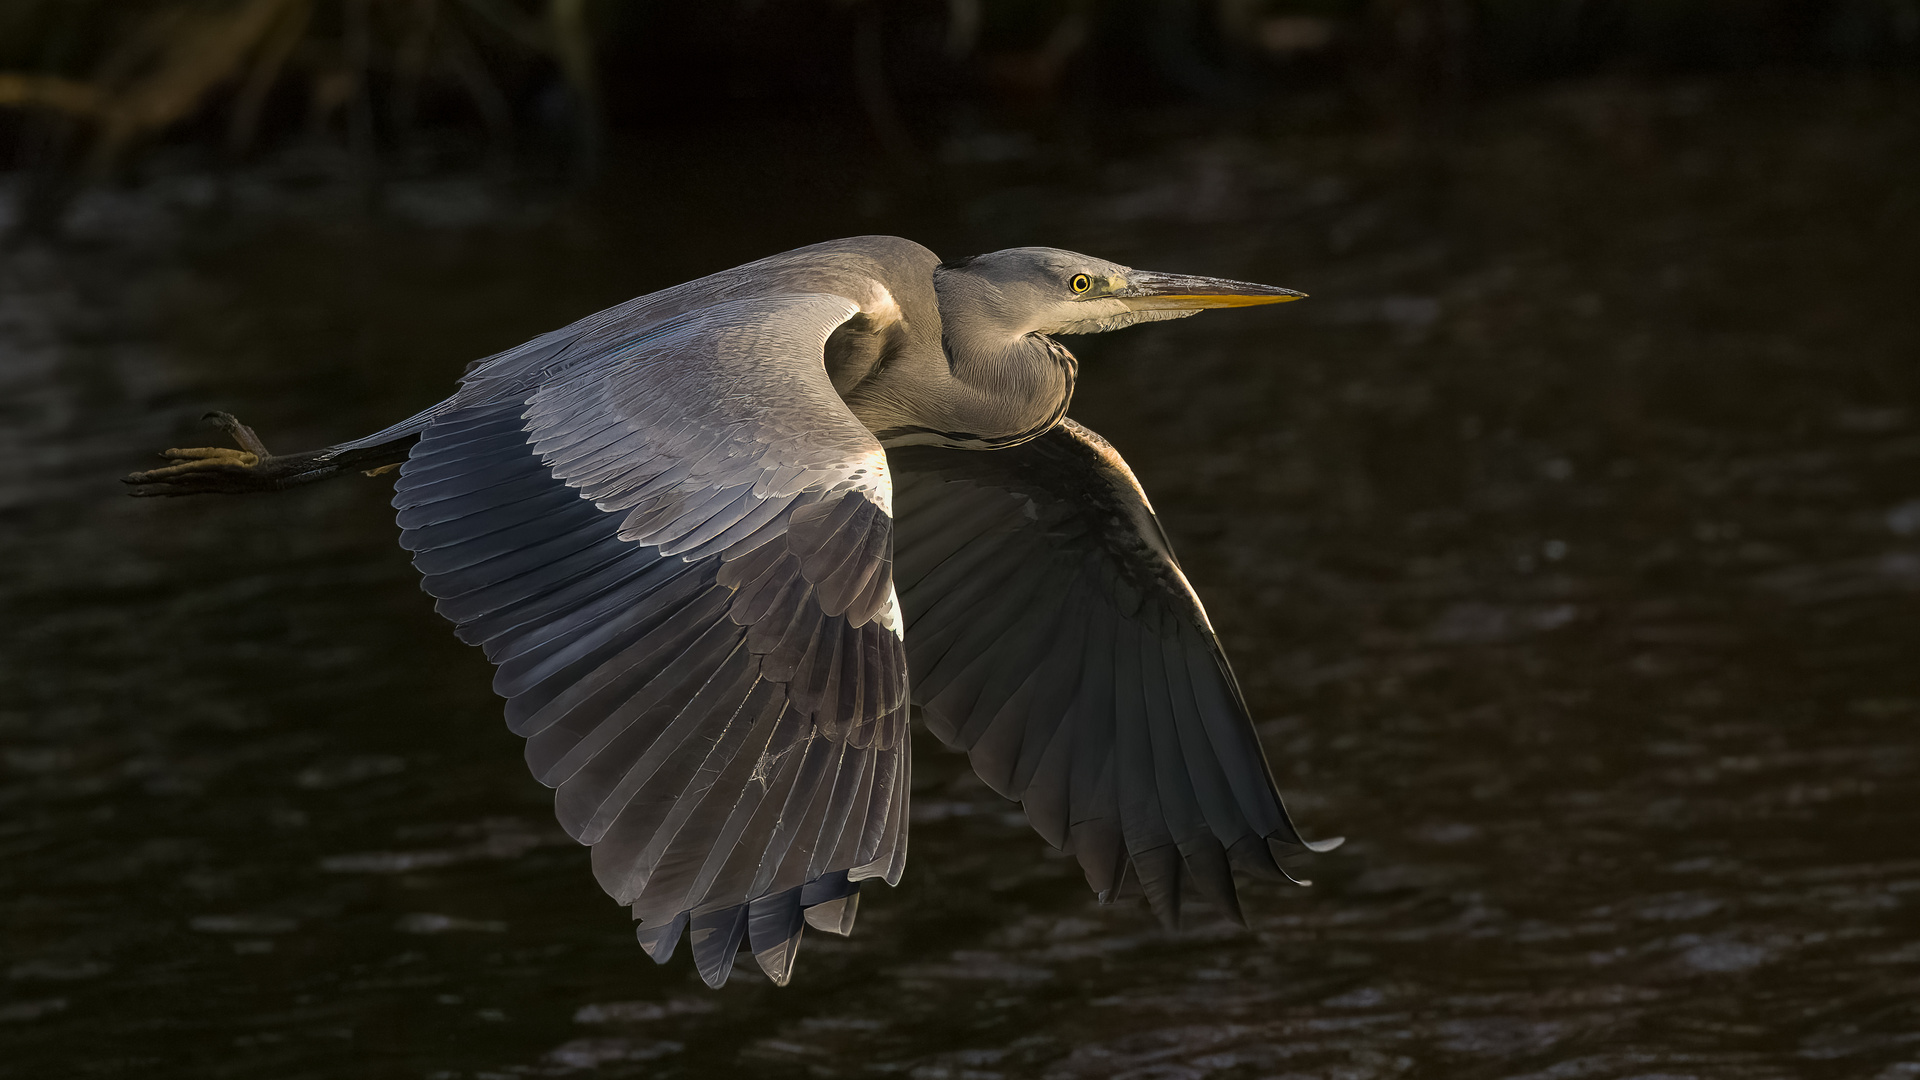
(221, 470)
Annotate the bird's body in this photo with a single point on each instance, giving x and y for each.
(719, 538)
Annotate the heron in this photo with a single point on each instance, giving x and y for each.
(723, 540)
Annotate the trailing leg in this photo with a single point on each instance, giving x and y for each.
(221, 470)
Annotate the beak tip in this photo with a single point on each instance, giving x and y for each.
(1277, 296)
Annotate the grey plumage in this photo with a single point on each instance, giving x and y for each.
(717, 539)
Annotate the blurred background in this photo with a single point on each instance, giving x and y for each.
(1567, 540)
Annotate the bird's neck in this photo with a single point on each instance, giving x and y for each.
(975, 391)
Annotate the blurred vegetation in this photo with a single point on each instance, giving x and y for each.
(87, 85)
(130, 70)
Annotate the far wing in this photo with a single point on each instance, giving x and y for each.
(1052, 636)
(678, 552)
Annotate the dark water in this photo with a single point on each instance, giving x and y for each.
(1568, 542)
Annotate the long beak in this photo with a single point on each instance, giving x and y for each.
(1146, 290)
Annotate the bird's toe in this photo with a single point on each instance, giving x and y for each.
(196, 470)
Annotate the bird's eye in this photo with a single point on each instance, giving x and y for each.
(1081, 283)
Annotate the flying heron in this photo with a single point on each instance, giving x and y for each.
(720, 538)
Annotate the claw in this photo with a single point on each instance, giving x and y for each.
(241, 433)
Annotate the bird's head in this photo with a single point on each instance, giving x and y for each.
(1041, 290)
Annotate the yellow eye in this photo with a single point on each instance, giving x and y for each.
(1081, 283)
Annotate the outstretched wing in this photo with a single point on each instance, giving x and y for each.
(1052, 636)
(679, 553)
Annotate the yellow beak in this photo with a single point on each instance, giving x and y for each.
(1146, 290)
